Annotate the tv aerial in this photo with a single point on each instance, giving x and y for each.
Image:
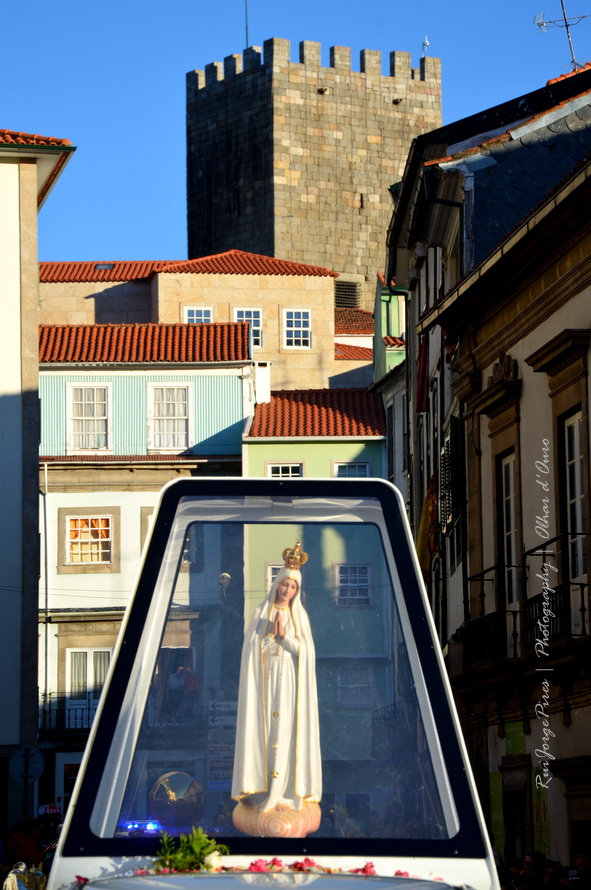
(566, 23)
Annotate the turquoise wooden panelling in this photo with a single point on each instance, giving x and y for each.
(52, 394)
(216, 417)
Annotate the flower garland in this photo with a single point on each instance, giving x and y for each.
(213, 864)
(197, 853)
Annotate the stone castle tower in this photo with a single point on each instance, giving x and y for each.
(294, 160)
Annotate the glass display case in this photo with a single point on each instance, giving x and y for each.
(278, 683)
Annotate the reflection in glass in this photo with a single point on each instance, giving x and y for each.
(176, 799)
(369, 753)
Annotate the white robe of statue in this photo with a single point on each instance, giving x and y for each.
(277, 759)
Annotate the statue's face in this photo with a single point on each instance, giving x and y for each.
(286, 590)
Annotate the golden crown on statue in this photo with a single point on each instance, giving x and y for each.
(294, 557)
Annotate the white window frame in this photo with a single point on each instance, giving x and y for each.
(290, 315)
(64, 564)
(198, 310)
(80, 711)
(91, 517)
(168, 449)
(71, 447)
(256, 329)
(272, 569)
(574, 475)
(346, 686)
(352, 467)
(509, 525)
(90, 688)
(356, 576)
(284, 466)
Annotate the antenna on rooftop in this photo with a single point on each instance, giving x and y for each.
(565, 23)
(425, 45)
(246, 21)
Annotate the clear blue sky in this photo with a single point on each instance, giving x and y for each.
(110, 77)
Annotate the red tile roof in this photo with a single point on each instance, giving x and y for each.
(232, 262)
(238, 262)
(353, 353)
(108, 343)
(320, 412)
(393, 341)
(183, 457)
(97, 271)
(584, 67)
(12, 137)
(353, 321)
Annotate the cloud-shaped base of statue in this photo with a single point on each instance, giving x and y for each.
(281, 821)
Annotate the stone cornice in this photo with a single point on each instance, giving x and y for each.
(502, 392)
(497, 398)
(563, 350)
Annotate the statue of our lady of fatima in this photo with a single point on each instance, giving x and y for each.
(277, 775)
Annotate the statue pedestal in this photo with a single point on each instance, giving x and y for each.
(281, 821)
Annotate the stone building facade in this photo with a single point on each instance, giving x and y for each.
(277, 297)
(491, 239)
(294, 159)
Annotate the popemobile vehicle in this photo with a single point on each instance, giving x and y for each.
(278, 684)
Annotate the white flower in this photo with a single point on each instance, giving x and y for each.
(213, 862)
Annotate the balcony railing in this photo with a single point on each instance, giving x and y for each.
(553, 606)
(544, 612)
(57, 715)
(393, 728)
(484, 639)
(60, 717)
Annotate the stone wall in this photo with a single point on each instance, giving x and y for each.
(165, 297)
(294, 159)
(299, 368)
(94, 302)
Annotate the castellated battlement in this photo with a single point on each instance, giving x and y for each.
(276, 54)
(295, 159)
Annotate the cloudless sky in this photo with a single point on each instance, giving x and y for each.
(110, 77)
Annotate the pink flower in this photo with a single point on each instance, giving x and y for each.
(401, 874)
(258, 865)
(81, 881)
(275, 864)
(304, 865)
(141, 871)
(368, 869)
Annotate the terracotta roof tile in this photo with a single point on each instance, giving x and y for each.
(584, 67)
(353, 353)
(109, 343)
(97, 271)
(239, 262)
(232, 262)
(353, 321)
(320, 412)
(393, 341)
(183, 457)
(12, 137)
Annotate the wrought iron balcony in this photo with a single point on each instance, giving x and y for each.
(58, 715)
(546, 612)
(393, 728)
(484, 639)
